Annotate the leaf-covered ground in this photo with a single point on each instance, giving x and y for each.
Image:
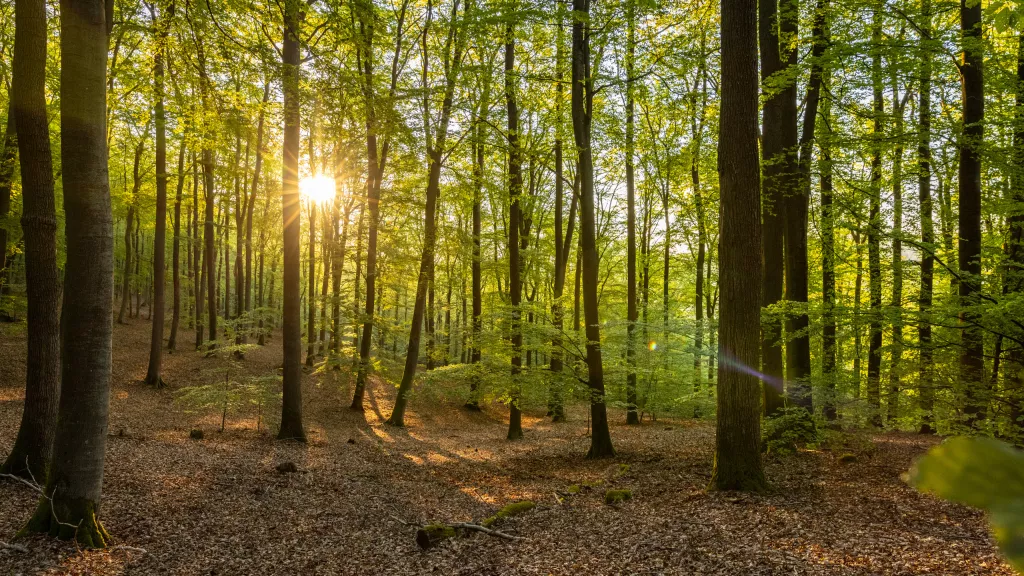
(218, 506)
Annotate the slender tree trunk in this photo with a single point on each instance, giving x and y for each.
(453, 51)
(33, 444)
(926, 392)
(156, 305)
(479, 156)
(209, 251)
(772, 205)
(8, 159)
(738, 429)
(875, 226)
(311, 290)
(126, 284)
(1015, 251)
(176, 252)
(582, 118)
(515, 187)
(631, 312)
(829, 361)
(74, 481)
(794, 208)
(893, 396)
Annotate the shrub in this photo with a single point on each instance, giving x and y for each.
(790, 429)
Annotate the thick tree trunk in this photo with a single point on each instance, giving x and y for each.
(75, 478)
(582, 118)
(738, 429)
(291, 403)
(32, 447)
(972, 358)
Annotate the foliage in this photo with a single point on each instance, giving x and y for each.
(984, 473)
(785, 432)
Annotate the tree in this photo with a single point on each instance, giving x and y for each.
(156, 347)
(291, 405)
(738, 428)
(515, 188)
(972, 359)
(70, 503)
(436, 144)
(582, 121)
(875, 223)
(32, 447)
(631, 297)
(924, 182)
(773, 157)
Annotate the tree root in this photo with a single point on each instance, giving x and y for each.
(73, 519)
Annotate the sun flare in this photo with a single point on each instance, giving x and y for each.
(318, 189)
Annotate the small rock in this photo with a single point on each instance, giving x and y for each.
(668, 427)
(196, 434)
(351, 441)
(287, 467)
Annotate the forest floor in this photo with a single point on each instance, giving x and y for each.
(218, 506)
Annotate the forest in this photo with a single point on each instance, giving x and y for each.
(512, 287)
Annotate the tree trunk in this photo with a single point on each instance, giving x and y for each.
(631, 312)
(32, 447)
(311, 290)
(772, 205)
(738, 429)
(794, 208)
(126, 284)
(875, 226)
(926, 392)
(829, 360)
(156, 305)
(972, 359)
(582, 118)
(176, 252)
(435, 152)
(291, 403)
(893, 396)
(75, 478)
(8, 159)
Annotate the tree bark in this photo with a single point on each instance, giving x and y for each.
(156, 305)
(33, 444)
(291, 404)
(176, 252)
(8, 159)
(926, 392)
(772, 205)
(972, 358)
(738, 429)
(582, 118)
(75, 478)
(631, 298)
(875, 226)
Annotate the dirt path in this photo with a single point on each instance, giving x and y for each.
(217, 506)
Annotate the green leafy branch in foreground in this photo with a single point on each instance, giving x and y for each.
(984, 473)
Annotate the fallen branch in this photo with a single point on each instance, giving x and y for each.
(488, 531)
(15, 547)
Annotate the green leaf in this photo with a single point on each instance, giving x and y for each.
(984, 473)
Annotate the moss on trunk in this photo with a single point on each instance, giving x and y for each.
(73, 519)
